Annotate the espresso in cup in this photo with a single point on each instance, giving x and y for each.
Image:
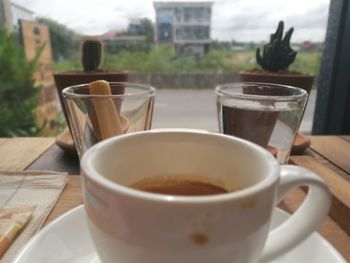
(215, 195)
(175, 185)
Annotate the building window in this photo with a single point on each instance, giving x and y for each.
(36, 31)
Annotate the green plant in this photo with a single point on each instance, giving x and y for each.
(277, 54)
(92, 52)
(64, 42)
(18, 93)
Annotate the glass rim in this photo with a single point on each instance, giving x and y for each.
(228, 89)
(144, 91)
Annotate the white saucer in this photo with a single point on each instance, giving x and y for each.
(67, 239)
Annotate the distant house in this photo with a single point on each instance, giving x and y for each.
(311, 46)
(308, 46)
(134, 25)
(185, 25)
(11, 13)
(20, 13)
(116, 41)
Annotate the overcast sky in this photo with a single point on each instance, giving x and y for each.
(242, 20)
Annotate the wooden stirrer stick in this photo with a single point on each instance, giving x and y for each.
(107, 116)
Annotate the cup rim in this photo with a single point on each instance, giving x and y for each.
(89, 171)
(227, 89)
(144, 91)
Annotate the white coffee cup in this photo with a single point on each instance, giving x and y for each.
(132, 226)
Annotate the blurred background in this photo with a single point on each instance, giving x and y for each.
(183, 48)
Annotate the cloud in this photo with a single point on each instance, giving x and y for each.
(315, 18)
(244, 20)
(256, 20)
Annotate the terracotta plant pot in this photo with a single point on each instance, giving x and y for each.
(304, 81)
(66, 79)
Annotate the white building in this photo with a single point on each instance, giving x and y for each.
(19, 12)
(11, 13)
(186, 25)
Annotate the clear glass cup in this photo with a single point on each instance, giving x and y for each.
(266, 114)
(92, 118)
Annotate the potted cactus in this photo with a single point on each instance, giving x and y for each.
(276, 57)
(91, 60)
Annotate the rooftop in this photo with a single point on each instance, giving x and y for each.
(182, 3)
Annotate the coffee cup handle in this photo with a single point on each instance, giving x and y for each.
(305, 219)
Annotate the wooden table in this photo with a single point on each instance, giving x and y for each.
(328, 156)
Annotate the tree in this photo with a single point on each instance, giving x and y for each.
(18, 93)
(63, 40)
(143, 28)
(147, 29)
(220, 45)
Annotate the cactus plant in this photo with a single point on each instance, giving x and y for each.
(277, 55)
(92, 52)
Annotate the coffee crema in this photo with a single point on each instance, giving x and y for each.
(176, 186)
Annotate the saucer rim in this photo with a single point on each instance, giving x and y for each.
(31, 242)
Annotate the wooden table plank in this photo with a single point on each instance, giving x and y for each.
(3, 140)
(320, 159)
(334, 149)
(339, 187)
(70, 198)
(55, 159)
(17, 153)
(345, 137)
